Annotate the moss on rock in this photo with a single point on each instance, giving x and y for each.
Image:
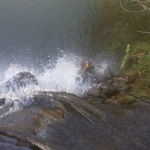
(138, 65)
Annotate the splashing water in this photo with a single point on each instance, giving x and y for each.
(59, 78)
(62, 77)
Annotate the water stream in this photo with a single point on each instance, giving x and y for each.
(34, 33)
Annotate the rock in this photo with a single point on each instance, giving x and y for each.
(95, 93)
(122, 99)
(129, 79)
(52, 118)
(87, 73)
(118, 81)
(98, 79)
(102, 91)
(2, 101)
(109, 92)
(102, 82)
(87, 66)
(20, 80)
(107, 74)
(8, 142)
(55, 129)
(90, 74)
(122, 83)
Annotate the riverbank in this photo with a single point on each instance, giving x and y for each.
(120, 27)
(135, 74)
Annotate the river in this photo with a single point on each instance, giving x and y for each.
(34, 33)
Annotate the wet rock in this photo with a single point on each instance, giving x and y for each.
(45, 128)
(122, 83)
(6, 108)
(87, 73)
(129, 79)
(87, 66)
(106, 85)
(118, 81)
(122, 99)
(59, 120)
(8, 142)
(107, 74)
(92, 75)
(109, 92)
(95, 93)
(95, 78)
(100, 81)
(102, 91)
(2, 101)
(20, 80)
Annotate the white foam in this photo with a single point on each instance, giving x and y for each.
(13, 70)
(62, 77)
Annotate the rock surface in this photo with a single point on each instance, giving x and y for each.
(63, 121)
(63, 127)
(20, 80)
(2, 101)
(104, 86)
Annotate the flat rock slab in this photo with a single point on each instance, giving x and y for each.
(64, 128)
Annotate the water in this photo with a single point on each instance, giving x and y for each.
(34, 32)
(63, 76)
(48, 38)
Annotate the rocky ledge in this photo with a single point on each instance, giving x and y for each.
(101, 119)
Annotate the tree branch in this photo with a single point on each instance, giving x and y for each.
(145, 8)
(143, 32)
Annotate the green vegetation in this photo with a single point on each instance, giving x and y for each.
(140, 70)
(125, 57)
(120, 27)
(141, 46)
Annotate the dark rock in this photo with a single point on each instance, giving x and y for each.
(110, 92)
(104, 84)
(6, 108)
(107, 73)
(8, 142)
(126, 88)
(87, 73)
(129, 79)
(124, 127)
(118, 81)
(87, 66)
(20, 80)
(122, 83)
(2, 101)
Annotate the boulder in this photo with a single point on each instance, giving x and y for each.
(58, 120)
(20, 80)
(102, 83)
(87, 73)
(75, 127)
(2, 101)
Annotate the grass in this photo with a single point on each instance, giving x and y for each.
(140, 47)
(141, 87)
